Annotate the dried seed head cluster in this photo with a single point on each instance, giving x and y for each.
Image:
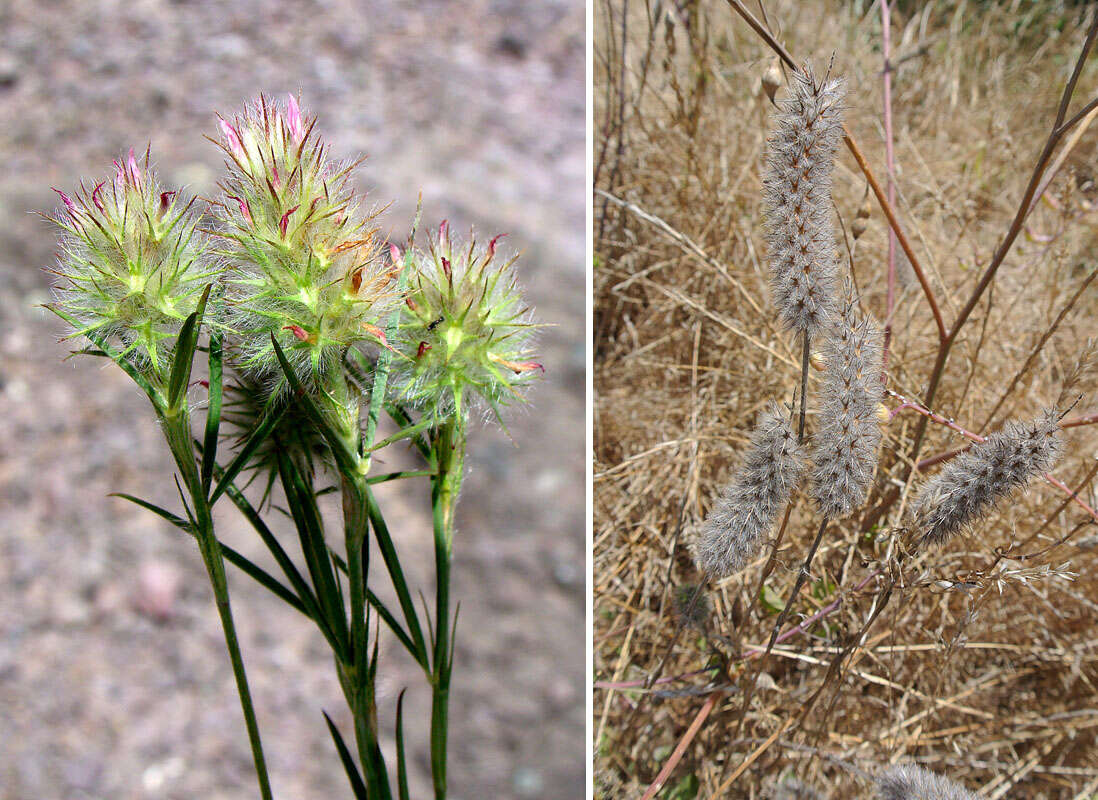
(133, 264)
(797, 188)
(466, 334)
(306, 261)
(970, 484)
(844, 448)
(909, 782)
(745, 512)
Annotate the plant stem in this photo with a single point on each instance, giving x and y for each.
(177, 431)
(449, 454)
(804, 387)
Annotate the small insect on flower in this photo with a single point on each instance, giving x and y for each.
(969, 485)
(797, 189)
(466, 333)
(747, 508)
(909, 782)
(133, 265)
(306, 263)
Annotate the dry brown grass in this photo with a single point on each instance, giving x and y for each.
(981, 668)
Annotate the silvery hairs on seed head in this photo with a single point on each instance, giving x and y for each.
(844, 447)
(745, 511)
(909, 782)
(797, 191)
(974, 481)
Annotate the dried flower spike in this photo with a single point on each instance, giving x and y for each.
(970, 484)
(745, 512)
(466, 332)
(797, 188)
(306, 263)
(909, 782)
(844, 448)
(134, 265)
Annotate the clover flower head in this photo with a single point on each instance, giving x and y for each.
(133, 265)
(466, 334)
(306, 262)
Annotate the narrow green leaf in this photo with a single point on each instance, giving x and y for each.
(272, 413)
(262, 577)
(396, 574)
(384, 359)
(178, 522)
(310, 531)
(394, 476)
(345, 459)
(402, 764)
(403, 433)
(213, 413)
(357, 786)
(183, 358)
(284, 562)
(386, 615)
(402, 418)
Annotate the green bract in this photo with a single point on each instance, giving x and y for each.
(306, 264)
(134, 266)
(467, 333)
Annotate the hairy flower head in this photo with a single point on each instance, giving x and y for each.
(970, 484)
(466, 334)
(797, 189)
(745, 512)
(306, 262)
(844, 448)
(909, 782)
(133, 265)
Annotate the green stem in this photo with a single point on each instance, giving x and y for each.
(449, 456)
(177, 431)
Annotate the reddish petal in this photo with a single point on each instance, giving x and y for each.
(96, 198)
(69, 204)
(232, 137)
(297, 331)
(131, 165)
(293, 119)
(282, 223)
(446, 269)
(165, 201)
(423, 348)
(492, 244)
(244, 210)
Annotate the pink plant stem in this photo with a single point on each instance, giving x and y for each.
(886, 47)
(938, 418)
(810, 621)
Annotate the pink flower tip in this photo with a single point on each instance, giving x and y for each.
(69, 204)
(394, 254)
(131, 165)
(232, 137)
(244, 210)
(282, 223)
(95, 196)
(492, 244)
(446, 268)
(297, 331)
(293, 119)
(443, 230)
(165, 200)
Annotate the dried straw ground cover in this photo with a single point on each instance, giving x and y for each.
(976, 658)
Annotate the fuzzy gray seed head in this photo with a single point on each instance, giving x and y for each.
(844, 448)
(909, 782)
(745, 512)
(797, 191)
(974, 481)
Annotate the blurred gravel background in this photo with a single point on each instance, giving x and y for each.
(114, 682)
